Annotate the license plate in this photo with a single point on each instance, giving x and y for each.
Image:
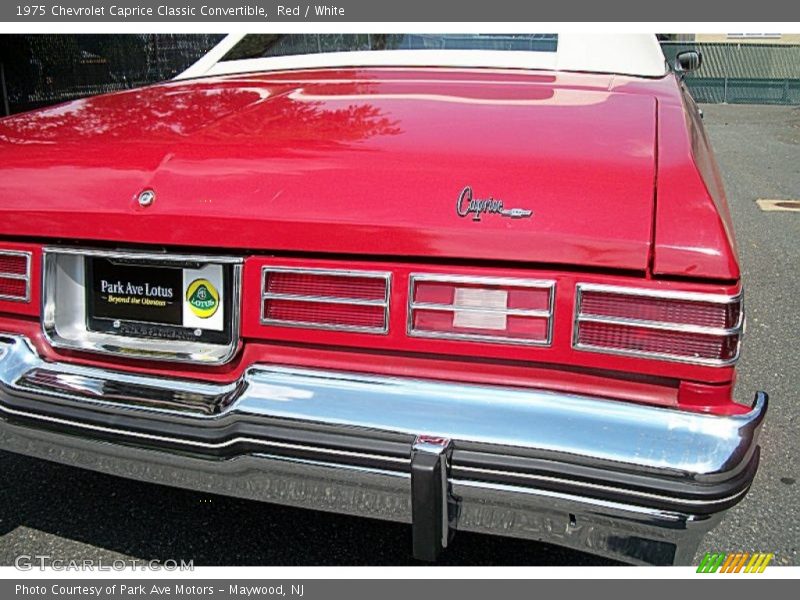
(158, 300)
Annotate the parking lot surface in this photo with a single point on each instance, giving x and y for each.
(71, 514)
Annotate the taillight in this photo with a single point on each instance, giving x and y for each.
(688, 327)
(487, 309)
(15, 275)
(325, 299)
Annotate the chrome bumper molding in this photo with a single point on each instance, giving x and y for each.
(632, 482)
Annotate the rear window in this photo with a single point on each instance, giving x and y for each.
(272, 45)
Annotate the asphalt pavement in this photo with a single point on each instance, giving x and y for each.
(758, 149)
(72, 514)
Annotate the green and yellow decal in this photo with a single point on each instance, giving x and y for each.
(734, 562)
(203, 298)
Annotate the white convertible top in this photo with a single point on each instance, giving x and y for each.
(624, 54)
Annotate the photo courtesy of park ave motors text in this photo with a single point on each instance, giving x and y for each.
(399, 299)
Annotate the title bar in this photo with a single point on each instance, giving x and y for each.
(233, 11)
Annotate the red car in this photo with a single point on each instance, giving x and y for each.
(482, 282)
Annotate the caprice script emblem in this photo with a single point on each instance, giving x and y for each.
(467, 204)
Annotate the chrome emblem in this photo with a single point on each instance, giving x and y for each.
(147, 197)
(469, 205)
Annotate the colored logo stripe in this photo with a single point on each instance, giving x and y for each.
(735, 562)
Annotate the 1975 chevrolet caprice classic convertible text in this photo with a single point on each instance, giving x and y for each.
(480, 283)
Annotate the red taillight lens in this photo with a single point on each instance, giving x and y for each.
(334, 315)
(674, 343)
(327, 286)
(663, 310)
(690, 327)
(15, 275)
(494, 310)
(326, 299)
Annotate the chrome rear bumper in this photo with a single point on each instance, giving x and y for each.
(637, 483)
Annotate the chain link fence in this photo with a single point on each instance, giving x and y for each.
(736, 73)
(38, 70)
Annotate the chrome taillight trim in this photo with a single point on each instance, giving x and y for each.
(510, 311)
(26, 277)
(324, 299)
(385, 276)
(542, 284)
(662, 294)
(707, 298)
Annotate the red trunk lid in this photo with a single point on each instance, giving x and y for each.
(348, 162)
